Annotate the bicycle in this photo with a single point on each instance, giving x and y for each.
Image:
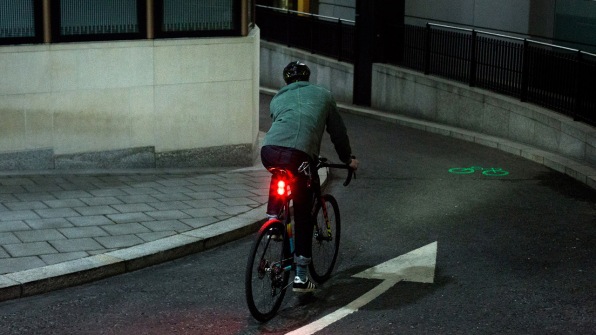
(271, 258)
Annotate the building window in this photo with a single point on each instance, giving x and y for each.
(197, 18)
(99, 19)
(20, 21)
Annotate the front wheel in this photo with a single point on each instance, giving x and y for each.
(266, 277)
(325, 245)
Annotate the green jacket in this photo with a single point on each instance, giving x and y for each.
(301, 112)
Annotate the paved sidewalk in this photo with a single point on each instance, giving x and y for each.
(58, 230)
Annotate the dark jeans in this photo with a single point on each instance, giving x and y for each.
(302, 195)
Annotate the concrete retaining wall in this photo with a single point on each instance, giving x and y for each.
(122, 104)
(434, 99)
(336, 76)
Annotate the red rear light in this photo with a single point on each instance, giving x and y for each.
(281, 187)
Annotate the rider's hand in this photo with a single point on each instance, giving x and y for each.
(354, 164)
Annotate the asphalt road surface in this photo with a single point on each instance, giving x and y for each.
(515, 255)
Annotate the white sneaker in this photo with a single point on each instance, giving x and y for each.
(303, 286)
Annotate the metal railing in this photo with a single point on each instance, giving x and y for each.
(555, 77)
(327, 36)
(551, 76)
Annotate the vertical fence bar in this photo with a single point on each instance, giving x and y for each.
(525, 71)
(473, 61)
(288, 28)
(577, 89)
(312, 33)
(340, 41)
(427, 50)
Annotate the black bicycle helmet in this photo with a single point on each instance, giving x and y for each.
(296, 71)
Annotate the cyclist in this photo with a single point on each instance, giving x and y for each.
(301, 112)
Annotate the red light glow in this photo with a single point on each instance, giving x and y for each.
(281, 187)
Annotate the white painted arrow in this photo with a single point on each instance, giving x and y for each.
(415, 266)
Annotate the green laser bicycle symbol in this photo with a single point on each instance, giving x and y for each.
(490, 172)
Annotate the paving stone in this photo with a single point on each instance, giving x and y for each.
(235, 210)
(19, 215)
(78, 194)
(95, 210)
(16, 181)
(173, 189)
(237, 201)
(81, 232)
(78, 244)
(153, 236)
(200, 212)
(99, 201)
(3, 254)
(121, 241)
(175, 182)
(168, 215)
(64, 203)
(56, 212)
(135, 199)
(42, 196)
(204, 195)
(107, 192)
(42, 188)
(167, 225)
(7, 198)
(94, 220)
(233, 187)
(235, 193)
(204, 203)
(39, 235)
(126, 228)
(29, 249)
(130, 217)
(63, 257)
(11, 226)
(48, 223)
(140, 190)
(172, 197)
(130, 208)
(22, 205)
(170, 205)
(10, 265)
(8, 238)
(11, 189)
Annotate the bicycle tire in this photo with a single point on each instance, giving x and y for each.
(462, 170)
(265, 281)
(495, 172)
(325, 246)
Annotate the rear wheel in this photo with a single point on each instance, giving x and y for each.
(325, 245)
(266, 279)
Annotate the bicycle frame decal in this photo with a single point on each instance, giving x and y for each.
(489, 172)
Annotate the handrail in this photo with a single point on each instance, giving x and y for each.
(308, 14)
(507, 36)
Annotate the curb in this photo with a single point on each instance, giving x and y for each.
(76, 272)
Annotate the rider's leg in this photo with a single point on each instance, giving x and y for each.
(303, 227)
